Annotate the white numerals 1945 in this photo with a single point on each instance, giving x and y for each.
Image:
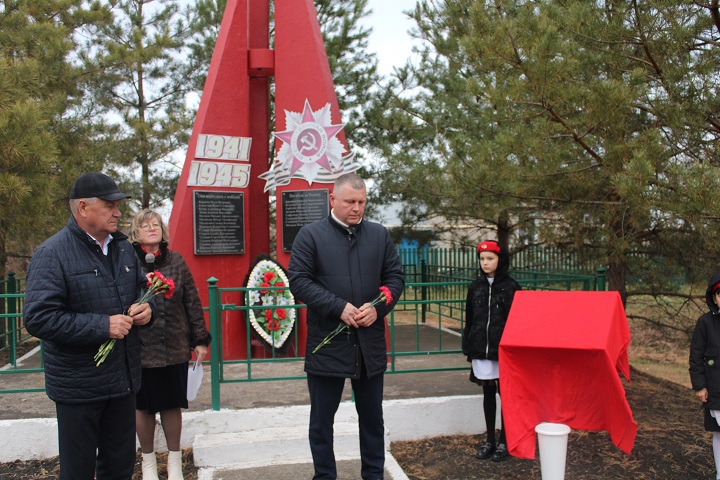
(219, 174)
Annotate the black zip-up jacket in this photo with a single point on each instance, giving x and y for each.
(330, 267)
(70, 295)
(486, 311)
(705, 354)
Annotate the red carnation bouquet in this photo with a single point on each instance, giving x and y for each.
(385, 296)
(157, 283)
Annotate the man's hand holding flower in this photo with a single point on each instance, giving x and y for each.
(141, 313)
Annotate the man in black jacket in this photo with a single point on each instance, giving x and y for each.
(337, 266)
(82, 285)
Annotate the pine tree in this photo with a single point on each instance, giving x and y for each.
(143, 87)
(589, 125)
(42, 145)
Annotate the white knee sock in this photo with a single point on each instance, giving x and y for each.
(716, 453)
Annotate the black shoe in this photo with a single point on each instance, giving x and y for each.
(501, 453)
(485, 451)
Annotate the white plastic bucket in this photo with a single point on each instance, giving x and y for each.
(552, 440)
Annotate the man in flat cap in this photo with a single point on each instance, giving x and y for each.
(82, 287)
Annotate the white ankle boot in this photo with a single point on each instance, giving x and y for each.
(174, 466)
(149, 466)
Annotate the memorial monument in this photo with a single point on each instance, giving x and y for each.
(220, 220)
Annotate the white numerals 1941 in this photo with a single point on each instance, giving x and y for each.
(222, 147)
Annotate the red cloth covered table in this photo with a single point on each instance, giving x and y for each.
(559, 360)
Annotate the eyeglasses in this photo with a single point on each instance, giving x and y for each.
(150, 226)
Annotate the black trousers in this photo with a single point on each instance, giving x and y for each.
(325, 396)
(97, 437)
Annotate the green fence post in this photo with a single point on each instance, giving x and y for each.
(214, 343)
(3, 322)
(423, 289)
(12, 334)
(601, 275)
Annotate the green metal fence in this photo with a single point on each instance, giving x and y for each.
(444, 273)
(11, 326)
(436, 334)
(423, 329)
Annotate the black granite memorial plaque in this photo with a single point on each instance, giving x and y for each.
(218, 222)
(300, 207)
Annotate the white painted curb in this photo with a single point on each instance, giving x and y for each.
(407, 419)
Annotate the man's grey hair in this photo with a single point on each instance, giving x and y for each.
(74, 203)
(352, 179)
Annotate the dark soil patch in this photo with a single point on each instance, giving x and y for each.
(671, 445)
(49, 468)
(20, 349)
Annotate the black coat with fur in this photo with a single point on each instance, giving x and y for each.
(705, 356)
(179, 324)
(486, 311)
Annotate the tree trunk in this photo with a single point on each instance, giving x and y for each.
(503, 229)
(3, 255)
(617, 275)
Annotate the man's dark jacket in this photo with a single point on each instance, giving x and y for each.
(330, 267)
(70, 295)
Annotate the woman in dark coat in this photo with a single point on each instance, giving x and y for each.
(705, 364)
(486, 311)
(178, 330)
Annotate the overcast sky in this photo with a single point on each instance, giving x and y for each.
(390, 38)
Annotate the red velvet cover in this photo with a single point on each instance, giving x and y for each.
(559, 360)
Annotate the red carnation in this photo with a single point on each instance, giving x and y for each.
(156, 283)
(387, 294)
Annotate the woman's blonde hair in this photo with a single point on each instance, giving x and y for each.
(144, 216)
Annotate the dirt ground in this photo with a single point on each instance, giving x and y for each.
(49, 468)
(671, 445)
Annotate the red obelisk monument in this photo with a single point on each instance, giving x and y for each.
(220, 217)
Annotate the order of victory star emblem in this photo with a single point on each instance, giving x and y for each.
(310, 149)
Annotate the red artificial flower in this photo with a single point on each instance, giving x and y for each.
(281, 313)
(268, 276)
(268, 315)
(265, 284)
(279, 284)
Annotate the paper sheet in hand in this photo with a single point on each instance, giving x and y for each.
(195, 375)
